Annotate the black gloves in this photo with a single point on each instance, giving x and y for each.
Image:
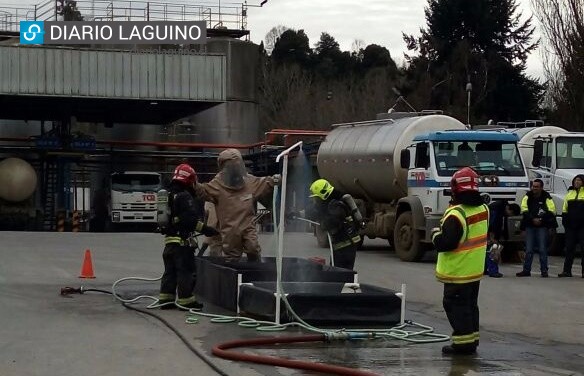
(209, 231)
(291, 215)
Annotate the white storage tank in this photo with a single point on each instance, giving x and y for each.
(18, 180)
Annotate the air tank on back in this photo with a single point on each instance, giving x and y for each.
(18, 180)
(363, 158)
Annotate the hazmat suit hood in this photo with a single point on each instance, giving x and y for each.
(232, 171)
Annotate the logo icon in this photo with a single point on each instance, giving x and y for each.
(32, 32)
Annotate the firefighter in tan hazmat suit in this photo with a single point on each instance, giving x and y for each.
(214, 243)
(234, 193)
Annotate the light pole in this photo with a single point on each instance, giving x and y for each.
(468, 91)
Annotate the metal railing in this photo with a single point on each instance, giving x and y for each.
(221, 14)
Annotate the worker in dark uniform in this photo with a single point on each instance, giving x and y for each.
(461, 242)
(185, 217)
(499, 212)
(573, 221)
(338, 215)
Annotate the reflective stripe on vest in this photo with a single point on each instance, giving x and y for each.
(174, 240)
(466, 263)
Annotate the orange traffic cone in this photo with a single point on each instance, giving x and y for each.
(87, 267)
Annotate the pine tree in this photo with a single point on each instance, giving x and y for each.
(481, 40)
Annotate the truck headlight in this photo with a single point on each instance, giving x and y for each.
(115, 216)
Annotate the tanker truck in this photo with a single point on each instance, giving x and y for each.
(398, 169)
(18, 183)
(555, 156)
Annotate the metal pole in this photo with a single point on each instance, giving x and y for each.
(402, 296)
(468, 91)
(468, 109)
(281, 239)
(281, 226)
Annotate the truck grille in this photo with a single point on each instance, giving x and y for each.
(139, 206)
(508, 196)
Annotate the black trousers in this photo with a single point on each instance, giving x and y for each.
(461, 305)
(179, 267)
(573, 238)
(345, 257)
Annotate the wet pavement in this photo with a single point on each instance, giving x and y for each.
(529, 326)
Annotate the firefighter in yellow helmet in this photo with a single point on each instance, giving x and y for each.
(338, 215)
(461, 242)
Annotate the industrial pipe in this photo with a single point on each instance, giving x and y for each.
(295, 132)
(299, 131)
(155, 144)
(221, 351)
(183, 144)
(269, 136)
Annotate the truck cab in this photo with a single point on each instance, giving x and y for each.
(557, 159)
(133, 197)
(433, 158)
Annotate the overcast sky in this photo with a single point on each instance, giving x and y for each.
(372, 21)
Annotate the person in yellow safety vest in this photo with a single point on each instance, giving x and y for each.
(186, 214)
(573, 221)
(539, 218)
(461, 242)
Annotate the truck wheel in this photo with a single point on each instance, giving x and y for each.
(407, 239)
(321, 238)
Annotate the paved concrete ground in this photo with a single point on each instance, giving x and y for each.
(530, 326)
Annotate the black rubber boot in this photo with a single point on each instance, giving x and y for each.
(168, 304)
(194, 305)
(459, 350)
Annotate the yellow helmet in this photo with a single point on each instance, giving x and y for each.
(321, 188)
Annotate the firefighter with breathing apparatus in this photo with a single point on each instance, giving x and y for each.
(180, 214)
(338, 215)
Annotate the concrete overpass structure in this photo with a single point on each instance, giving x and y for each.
(53, 83)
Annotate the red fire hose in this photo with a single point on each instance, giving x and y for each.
(221, 351)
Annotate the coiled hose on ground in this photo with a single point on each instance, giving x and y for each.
(424, 334)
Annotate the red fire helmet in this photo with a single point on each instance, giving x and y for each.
(185, 173)
(465, 179)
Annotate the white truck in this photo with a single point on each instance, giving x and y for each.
(399, 169)
(555, 156)
(133, 197)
